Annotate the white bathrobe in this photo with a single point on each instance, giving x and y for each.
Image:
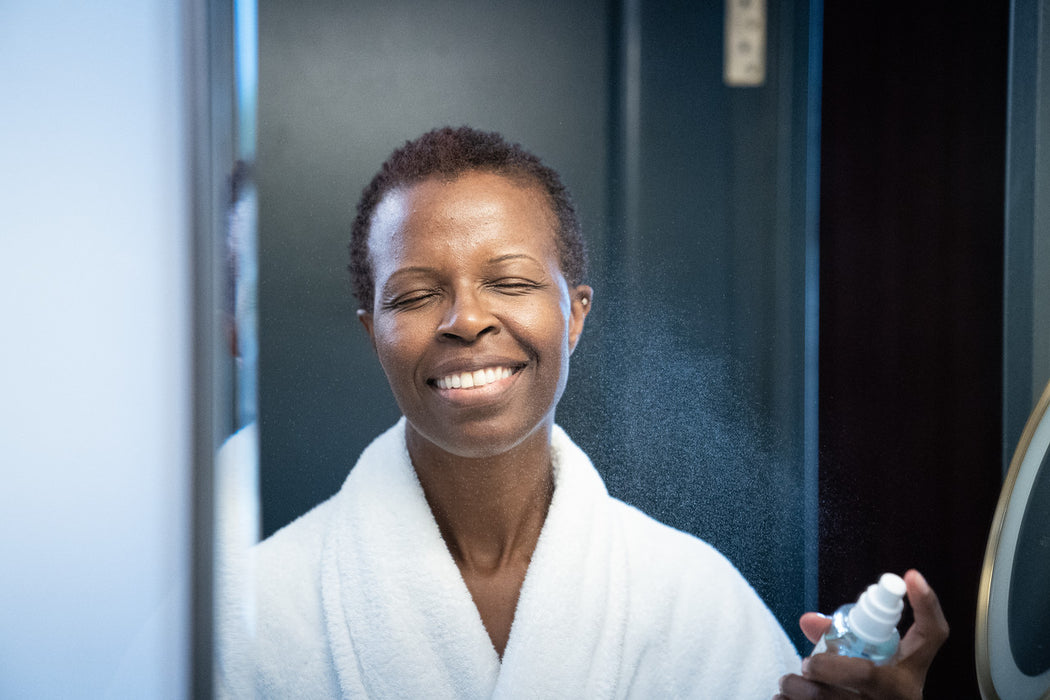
(361, 598)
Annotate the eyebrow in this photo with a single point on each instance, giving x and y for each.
(513, 256)
(409, 270)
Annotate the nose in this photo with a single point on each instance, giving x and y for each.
(467, 318)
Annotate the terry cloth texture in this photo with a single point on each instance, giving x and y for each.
(361, 598)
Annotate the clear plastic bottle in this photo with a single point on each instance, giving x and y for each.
(867, 629)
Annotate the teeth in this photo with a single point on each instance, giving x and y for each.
(477, 378)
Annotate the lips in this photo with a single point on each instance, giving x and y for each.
(471, 379)
(474, 373)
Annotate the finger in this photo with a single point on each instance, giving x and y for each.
(796, 687)
(842, 671)
(930, 629)
(814, 625)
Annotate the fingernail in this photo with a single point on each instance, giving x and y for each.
(805, 665)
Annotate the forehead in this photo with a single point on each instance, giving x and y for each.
(475, 210)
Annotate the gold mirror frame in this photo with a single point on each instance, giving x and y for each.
(997, 672)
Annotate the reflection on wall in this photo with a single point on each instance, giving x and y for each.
(687, 387)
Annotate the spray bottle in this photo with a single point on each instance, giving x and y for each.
(868, 628)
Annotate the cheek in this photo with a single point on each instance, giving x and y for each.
(396, 347)
(549, 329)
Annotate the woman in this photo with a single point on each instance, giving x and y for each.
(473, 550)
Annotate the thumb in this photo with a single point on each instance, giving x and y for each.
(814, 625)
(930, 629)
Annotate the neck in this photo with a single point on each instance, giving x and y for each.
(490, 510)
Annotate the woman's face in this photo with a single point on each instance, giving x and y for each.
(473, 321)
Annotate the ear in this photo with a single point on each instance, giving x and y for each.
(582, 299)
(366, 319)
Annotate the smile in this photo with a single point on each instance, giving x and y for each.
(475, 379)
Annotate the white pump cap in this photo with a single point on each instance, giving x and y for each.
(878, 610)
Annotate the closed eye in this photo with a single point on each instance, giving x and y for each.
(515, 286)
(410, 300)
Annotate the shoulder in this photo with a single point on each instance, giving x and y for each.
(283, 644)
(667, 550)
(287, 572)
(693, 615)
(664, 561)
(297, 545)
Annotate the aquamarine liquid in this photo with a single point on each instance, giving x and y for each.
(841, 640)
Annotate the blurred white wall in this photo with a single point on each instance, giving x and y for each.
(94, 351)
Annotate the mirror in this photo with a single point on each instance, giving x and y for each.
(1013, 610)
(706, 176)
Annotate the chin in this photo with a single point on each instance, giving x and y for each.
(481, 439)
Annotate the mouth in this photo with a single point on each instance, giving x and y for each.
(475, 379)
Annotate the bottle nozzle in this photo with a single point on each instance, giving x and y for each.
(878, 610)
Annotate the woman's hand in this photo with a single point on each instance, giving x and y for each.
(833, 676)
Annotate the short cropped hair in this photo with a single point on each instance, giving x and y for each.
(449, 153)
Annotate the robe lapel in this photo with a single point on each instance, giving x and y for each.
(567, 636)
(401, 619)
